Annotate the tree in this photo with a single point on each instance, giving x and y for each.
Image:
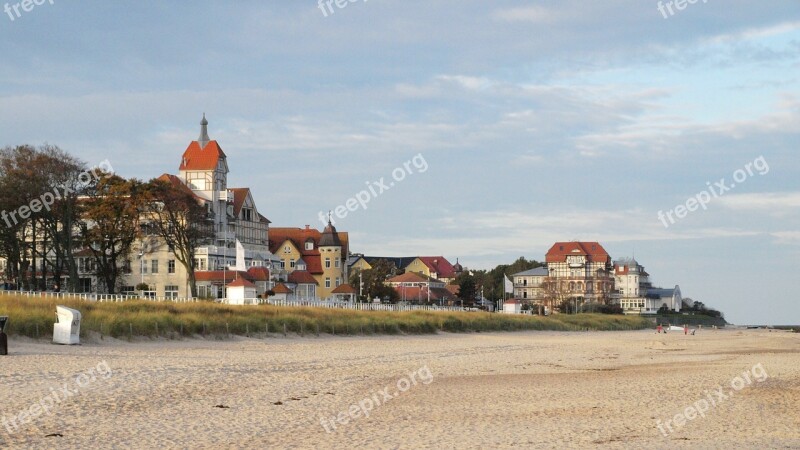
(179, 219)
(374, 280)
(39, 190)
(111, 225)
(467, 287)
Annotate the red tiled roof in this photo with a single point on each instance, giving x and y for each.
(593, 251)
(241, 282)
(195, 158)
(177, 182)
(258, 273)
(281, 288)
(621, 270)
(239, 196)
(302, 277)
(344, 289)
(299, 236)
(440, 265)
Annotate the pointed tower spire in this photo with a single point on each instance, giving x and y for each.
(203, 139)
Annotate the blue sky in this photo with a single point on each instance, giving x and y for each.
(539, 121)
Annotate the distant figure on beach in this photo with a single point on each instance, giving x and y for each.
(658, 328)
(693, 332)
(685, 330)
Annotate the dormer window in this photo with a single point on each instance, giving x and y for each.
(309, 245)
(247, 214)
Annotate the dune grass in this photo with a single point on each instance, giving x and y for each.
(34, 317)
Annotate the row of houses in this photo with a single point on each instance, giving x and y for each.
(583, 272)
(248, 257)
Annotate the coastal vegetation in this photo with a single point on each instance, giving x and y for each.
(34, 317)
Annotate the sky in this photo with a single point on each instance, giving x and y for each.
(477, 130)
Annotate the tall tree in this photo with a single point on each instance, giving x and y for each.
(181, 220)
(111, 225)
(467, 287)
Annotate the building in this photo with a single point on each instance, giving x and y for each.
(436, 267)
(307, 255)
(528, 284)
(579, 272)
(635, 292)
(417, 288)
(239, 230)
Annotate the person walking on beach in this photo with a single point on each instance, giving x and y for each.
(658, 328)
(685, 330)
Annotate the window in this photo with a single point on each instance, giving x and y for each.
(171, 291)
(327, 264)
(247, 214)
(336, 262)
(283, 264)
(171, 266)
(327, 282)
(309, 245)
(143, 267)
(287, 249)
(291, 264)
(127, 289)
(154, 266)
(338, 281)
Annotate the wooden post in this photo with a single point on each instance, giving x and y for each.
(284, 329)
(227, 330)
(156, 330)
(247, 329)
(130, 336)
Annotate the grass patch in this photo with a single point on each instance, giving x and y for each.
(34, 317)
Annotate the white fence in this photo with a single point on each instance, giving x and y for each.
(96, 297)
(312, 303)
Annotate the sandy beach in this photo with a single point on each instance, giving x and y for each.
(484, 390)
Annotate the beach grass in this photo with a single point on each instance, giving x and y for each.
(34, 317)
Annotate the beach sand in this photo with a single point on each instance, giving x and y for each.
(481, 390)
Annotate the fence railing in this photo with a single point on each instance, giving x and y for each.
(313, 303)
(95, 297)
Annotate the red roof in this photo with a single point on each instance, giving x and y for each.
(196, 158)
(258, 273)
(241, 282)
(344, 289)
(177, 182)
(440, 265)
(593, 251)
(281, 288)
(299, 237)
(302, 277)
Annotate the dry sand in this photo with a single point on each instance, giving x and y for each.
(489, 390)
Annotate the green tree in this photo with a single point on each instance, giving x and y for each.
(467, 287)
(374, 281)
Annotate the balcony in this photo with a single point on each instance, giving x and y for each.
(228, 236)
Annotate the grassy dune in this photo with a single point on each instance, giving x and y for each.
(34, 317)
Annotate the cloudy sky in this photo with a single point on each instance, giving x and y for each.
(537, 121)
